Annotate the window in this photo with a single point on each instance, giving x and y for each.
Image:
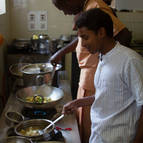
(2, 7)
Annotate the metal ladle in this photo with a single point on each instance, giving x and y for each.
(41, 132)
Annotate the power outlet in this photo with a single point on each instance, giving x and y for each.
(37, 20)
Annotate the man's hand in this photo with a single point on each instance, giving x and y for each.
(55, 58)
(70, 107)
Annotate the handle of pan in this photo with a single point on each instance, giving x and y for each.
(55, 121)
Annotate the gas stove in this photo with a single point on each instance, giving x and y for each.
(50, 114)
(33, 113)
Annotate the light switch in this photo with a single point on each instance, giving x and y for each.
(42, 17)
(32, 18)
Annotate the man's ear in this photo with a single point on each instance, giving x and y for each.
(101, 32)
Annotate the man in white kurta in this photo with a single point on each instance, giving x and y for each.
(119, 96)
(117, 103)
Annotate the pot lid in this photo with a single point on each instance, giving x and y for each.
(39, 68)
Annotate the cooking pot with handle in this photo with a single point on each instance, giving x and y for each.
(30, 129)
(34, 74)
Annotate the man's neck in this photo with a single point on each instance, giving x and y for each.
(108, 45)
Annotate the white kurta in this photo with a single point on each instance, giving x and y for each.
(119, 96)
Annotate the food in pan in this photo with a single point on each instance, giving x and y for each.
(30, 131)
(38, 99)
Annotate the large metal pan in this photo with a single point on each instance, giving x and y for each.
(48, 92)
(30, 129)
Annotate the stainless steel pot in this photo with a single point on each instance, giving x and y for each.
(34, 74)
(44, 36)
(16, 73)
(21, 44)
(15, 139)
(52, 96)
(28, 127)
(13, 118)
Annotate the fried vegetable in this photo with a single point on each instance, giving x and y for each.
(38, 100)
(30, 131)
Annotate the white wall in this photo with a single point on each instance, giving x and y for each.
(129, 4)
(58, 23)
(134, 21)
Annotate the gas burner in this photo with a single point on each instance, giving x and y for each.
(32, 113)
(56, 135)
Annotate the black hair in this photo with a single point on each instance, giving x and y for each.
(94, 19)
(59, 3)
(108, 2)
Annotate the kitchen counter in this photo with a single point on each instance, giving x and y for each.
(69, 121)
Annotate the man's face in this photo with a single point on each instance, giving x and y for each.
(69, 7)
(89, 40)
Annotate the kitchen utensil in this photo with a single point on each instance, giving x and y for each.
(48, 92)
(15, 70)
(13, 117)
(16, 73)
(39, 68)
(34, 74)
(55, 121)
(44, 36)
(21, 44)
(16, 139)
(64, 129)
(34, 125)
(42, 44)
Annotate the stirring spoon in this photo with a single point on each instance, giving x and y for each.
(41, 132)
(55, 121)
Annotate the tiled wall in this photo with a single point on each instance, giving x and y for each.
(134, 21)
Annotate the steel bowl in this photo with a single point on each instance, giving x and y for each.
(36, 123)
(13, 117)
(16, 139)
(54, 94)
